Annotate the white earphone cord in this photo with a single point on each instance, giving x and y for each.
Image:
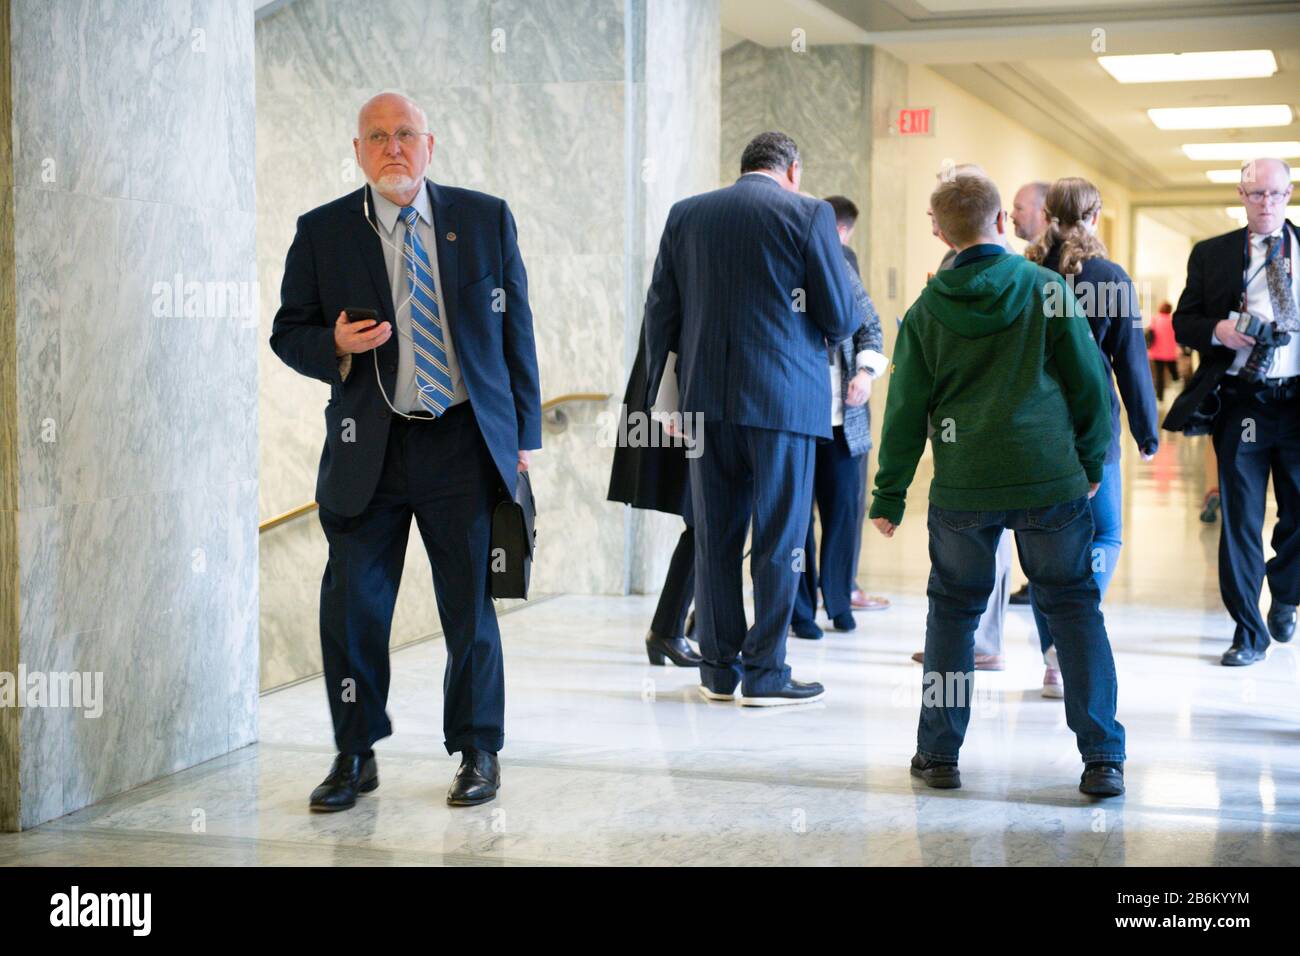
(374, 353)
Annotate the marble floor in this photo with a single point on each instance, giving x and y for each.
(612, 761)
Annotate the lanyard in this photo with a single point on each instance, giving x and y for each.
(1247, 280)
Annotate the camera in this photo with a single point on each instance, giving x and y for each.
(1267, 338)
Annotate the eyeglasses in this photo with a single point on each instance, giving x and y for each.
(406, 138)
(1260, 196)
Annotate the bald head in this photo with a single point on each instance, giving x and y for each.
(1027, 211)
(393, 145)
(390, 103)
(1265, 190)
(949, 171)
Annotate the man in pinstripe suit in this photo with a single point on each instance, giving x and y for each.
(749, 290)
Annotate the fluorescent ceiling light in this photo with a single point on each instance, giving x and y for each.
(1233, 176)
(1179, 67)
(1221, 117)
(1242, 151)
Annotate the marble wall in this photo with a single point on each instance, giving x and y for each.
(590, 117)
(130, 490)
(820, 97)
(836, 103)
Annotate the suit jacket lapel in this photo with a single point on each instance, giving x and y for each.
(446, 224)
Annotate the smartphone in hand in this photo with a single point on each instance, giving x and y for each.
(369, 316)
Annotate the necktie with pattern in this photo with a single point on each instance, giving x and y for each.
(1280, 292)
(432, 376)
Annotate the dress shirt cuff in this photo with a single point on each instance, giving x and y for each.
(874, 362)
(1214, 339)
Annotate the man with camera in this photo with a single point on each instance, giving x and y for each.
(1239, 310)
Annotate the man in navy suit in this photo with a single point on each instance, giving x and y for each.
(749, 289)
(434, 422)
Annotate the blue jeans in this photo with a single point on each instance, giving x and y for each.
(1107, 536)
(1053, 543)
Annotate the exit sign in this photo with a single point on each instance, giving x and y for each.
(917, 122)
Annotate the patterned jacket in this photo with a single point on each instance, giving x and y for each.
(867, 338)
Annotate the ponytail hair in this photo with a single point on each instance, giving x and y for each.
(1070, 203)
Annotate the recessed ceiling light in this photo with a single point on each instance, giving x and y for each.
(1221, 117)
(1242, 151)
(1180, 67)
(1233, 176)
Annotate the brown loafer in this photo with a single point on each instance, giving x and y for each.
(983, 662)
(860, 601)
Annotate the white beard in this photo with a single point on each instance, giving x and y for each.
(395, 183)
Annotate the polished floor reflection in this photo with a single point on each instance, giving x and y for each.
(612, 761)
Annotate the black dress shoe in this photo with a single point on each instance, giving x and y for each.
(351, 774)
(1240, 656)
(1021, 596)
(791, 692)
(1281, 621)
(477, 780)
(676, 649)
(1102, 779)
(806, 629)
(941, 776)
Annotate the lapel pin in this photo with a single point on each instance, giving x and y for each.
(451, 237)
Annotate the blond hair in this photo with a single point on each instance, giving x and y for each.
(1070, 204)
(964, 207)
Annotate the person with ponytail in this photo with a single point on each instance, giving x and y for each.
(1107, 296)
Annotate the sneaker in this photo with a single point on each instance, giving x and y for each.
(1102, 779)
(941, 776)
(709, 694)
(1053, 685)
(792, 692)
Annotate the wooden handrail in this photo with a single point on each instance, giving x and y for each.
(574, 397)
(310, 506)
(289, 515)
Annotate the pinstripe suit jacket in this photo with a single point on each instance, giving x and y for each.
(749, 288)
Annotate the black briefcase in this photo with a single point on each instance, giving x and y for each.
(513, 537)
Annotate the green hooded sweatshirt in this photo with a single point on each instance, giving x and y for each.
(1017, 398)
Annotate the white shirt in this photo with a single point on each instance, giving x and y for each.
(392, 230)
(874, 363)
(1286, 359)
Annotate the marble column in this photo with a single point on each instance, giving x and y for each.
(128, 329)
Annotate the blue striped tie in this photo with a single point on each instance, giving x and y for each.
(432, 376)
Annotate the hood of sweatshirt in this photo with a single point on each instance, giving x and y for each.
(982, 297)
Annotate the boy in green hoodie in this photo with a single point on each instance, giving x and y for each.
(996, 356)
